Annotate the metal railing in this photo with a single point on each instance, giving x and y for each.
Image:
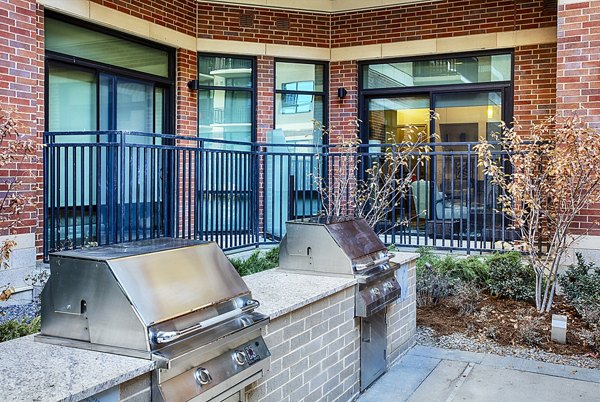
(115, 186)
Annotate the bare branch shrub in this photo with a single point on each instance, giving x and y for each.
(17, 151)
(370, 192)
(530, 328)
(432, 286)
(466, 297)
(554, 175)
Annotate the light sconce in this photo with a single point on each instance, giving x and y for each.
(342, 93)
(193, 85)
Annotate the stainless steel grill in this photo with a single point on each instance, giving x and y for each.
(349, 247)
(179, 302)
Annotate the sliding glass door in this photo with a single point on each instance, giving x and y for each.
(448, 189)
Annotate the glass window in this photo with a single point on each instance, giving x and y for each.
(453, 70)
(305, 76)
(225, 71)
(225, 99)
(299, 101)
(72, 104)
(73, 40)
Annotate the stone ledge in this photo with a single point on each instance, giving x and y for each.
(44, 372)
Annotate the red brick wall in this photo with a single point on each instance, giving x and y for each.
(578, 60)
(578, 75)
(265, 109)
(217, 21)
(265, 92)
(178, 15)
(21, 90)
(437, 20)
(343, 113)
(187, 111)
(535, 83)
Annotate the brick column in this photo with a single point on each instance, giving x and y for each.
(343, 113)
(22, 91)
(578, 59)
(186, 107)
(578, 83)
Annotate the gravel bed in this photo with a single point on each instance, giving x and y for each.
(17, 312)
(426, 337)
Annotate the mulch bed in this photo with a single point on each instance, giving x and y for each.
(505, 321)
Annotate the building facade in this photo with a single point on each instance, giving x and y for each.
(262, 71)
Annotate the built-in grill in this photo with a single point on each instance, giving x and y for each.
(349, 247)
(179, 302)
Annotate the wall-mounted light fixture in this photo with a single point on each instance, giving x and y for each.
(342, 93)
(194, 85)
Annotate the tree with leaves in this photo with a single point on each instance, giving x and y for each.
(552, 176)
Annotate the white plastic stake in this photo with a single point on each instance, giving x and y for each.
(559, 328)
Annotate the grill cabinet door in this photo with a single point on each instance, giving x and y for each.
(372, 348)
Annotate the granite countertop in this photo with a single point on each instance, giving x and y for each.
(33, 371)
(281, 292)
(403, 258)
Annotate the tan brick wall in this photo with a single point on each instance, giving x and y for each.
(315, 353)
(402, 318)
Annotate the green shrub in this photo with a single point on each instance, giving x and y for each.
(257, 262)
(470, 269)
(432, 286)
(510, 277)
(581, 287)
(13, 329)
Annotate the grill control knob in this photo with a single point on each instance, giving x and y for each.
(240, 357)
(202, 376)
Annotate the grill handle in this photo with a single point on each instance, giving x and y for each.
(380, 261)
(170, 336)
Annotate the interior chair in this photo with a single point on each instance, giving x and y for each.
(445, 209)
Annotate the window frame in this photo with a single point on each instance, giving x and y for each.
(252, 90)
(365, 94)
(324, 93)
(167, 83)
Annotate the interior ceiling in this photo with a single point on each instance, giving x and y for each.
(321, 6)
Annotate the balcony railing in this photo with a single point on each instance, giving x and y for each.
(127, 186)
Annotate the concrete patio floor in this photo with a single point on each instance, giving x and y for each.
(434, 374)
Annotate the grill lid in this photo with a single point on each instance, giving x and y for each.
(334, 245)
(167, 278)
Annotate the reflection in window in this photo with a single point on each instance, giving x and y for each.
(225, 99)
(65, 38)
(453, 70)
(295, 102)
(299, 101)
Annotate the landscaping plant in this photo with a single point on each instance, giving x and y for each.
(385, 182)
(16, 153)
(257, 262)
(553, 174)
(510, 277)
(580, 285)
(432, 286)
(13, 329)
